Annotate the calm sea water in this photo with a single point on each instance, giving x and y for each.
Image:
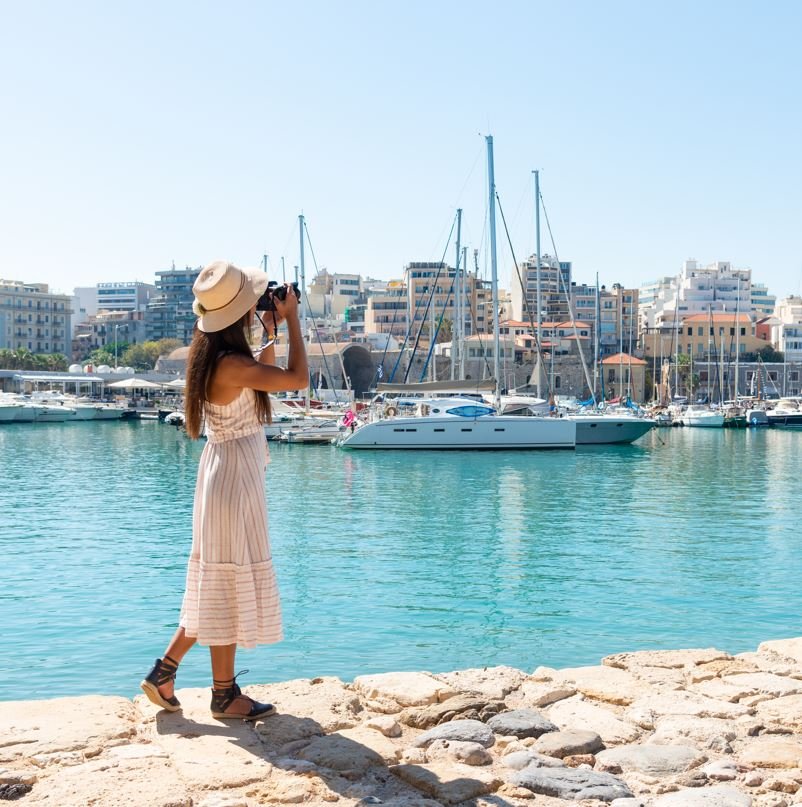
(399, 561)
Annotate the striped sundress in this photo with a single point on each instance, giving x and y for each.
(231, 595)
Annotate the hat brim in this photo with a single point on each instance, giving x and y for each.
(253, 288)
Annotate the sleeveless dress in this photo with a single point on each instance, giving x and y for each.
(231, 594)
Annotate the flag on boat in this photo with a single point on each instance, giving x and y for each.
(380, 372)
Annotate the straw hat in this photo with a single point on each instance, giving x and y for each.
(224, 293)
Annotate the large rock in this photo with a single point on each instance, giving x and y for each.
(448, 783)
(518, 760)
(762, 683)
(568, 743)
(719, 796)
(678, 729)
(467, 731)
(571, 783)
(207, 753)
(645, 712)
(610, 684)
(543, 693)
(572, 713)
(785, 712)
(469, 707)
(101, 781)
(492, 683)
(327, 701)
(654, 760)
(785, 648)
(342, 754)
(405, 688)
(63, 724)
(771, 751)
(521, 723)
(672, 659)
(469, 753)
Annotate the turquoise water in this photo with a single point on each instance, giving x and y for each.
(391, 561)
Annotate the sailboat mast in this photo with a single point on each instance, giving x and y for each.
(462, 316)
(537, 285)
(596, 345)
(456, 345)
(491, 181)
(737, 336)
(302, 282)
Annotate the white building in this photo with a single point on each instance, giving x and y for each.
(786, 333)
(696, 290)
(116, 296)
(763, 303)
(555, 284)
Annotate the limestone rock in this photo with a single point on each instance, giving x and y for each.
(785, 648)
(573, 712)
(469, 707)
(373, 740)
(544, 693)
(206, 752)
(786, 711)
(765, 683)
(719, 796)
(720, 668)
(725, 690)
(469, 753)
(654, 760)
(386, 725)
(701, 730)
(448, 783)
(610, 684)
(327, 701)
(341, 754)
(771, 663)
(721, 770)
(673, 659)
(405, 688)
(492, 683)
(469, 731)
(568, 743)
(646, 711)
(127, 783)
(521, 723)
(571, 783)
(414, 756)
(629, 802)
(773, 752)
(29, 727)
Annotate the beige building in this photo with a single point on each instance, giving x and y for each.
(387, 310)
(624, 375)
(33, 318)
(713, 335)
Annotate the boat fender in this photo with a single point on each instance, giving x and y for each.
(390, 412)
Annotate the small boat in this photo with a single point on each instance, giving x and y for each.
(702, 416)
(175, 419)
(785, 413)
(8, 411)
(325, 431)
(109, 412)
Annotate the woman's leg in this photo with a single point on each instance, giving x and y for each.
(179, 646)
(223, 679)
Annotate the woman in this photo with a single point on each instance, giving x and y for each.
(231, 596)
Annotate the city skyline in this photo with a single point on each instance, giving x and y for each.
(187, 133)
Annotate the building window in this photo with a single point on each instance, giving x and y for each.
(699, 331)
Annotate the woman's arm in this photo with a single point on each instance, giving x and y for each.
(235, 371)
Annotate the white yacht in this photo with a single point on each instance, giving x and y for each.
(8, 410)
(702, 416)
(108, 411)
(443, 423)
(601, 428)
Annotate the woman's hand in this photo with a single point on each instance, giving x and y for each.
(288, 307)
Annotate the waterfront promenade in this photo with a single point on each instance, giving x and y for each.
(657, 728)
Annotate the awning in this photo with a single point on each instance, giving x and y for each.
(133, 383)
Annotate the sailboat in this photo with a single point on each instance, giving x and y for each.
(432, 422)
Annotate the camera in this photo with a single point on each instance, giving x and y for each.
(265, 302)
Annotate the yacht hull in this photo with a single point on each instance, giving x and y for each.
(8, 413)
(456, 433)
(711, 421)
(607, 430)
(782, 419)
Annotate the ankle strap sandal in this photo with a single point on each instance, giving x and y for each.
(163, 671)
(224, 693)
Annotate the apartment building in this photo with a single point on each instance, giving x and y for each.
(33, 318)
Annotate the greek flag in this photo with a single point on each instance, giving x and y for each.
(380, 372)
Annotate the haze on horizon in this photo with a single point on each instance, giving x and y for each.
(137, 135)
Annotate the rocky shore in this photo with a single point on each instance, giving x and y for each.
(659, 728)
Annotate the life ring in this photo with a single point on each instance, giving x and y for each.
(390, 412)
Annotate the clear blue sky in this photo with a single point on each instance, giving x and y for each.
(135, 134)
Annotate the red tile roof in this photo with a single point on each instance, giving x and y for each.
(623, 358)
(718, 316)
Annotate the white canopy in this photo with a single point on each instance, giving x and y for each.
(133, 383)
(177, 383)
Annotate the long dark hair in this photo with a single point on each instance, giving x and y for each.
(205, 350)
